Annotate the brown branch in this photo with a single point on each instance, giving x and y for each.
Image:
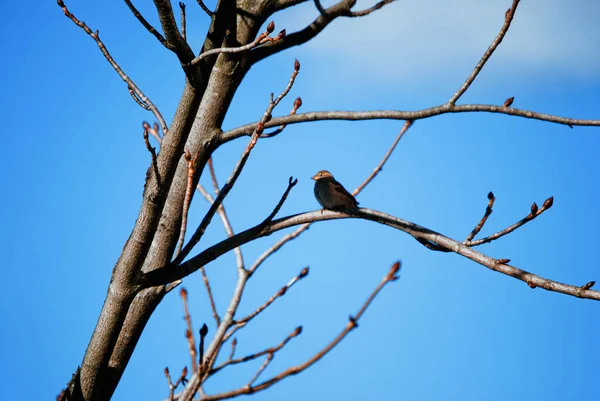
(258, 130)
(173, 386)
(210, 296)
(479, 226)
(205, 9)
(246, 129)
(351, 325)
(188, 198)
(535, 212)
(297, 331)
(293, 235)
(189, 333)
(282, 291)
(167, 274)
(145, 23)
(387, 155)
(183, 23)
(137, 99)
(508, 17)
(130, 84)
(152, 151)
(369, 10)
(260, 39)
(174, 40)
(306, 34)
(297, 105)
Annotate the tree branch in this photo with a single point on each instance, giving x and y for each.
(406, 115)
(130, 84)
(351, 325)
(174, 41)
(168, 274)
(258, 130)
(508, 17)
(145, 23)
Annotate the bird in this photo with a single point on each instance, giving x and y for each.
(331, 194)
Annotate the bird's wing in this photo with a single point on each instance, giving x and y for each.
(339, 188)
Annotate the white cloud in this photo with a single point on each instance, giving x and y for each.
(438, 38)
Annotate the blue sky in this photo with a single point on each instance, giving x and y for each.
(74, 162)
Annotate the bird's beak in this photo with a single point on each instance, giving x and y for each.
(314, 177)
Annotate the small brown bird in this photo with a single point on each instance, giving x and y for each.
(330, 193)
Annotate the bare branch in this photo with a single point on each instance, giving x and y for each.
(145, 23)
(189, 333)
(387, 155)
(130, 84)
(167, 274)
(303, 273)
(297, 105)
(269, 351)
(205, 9)
(406, 115)
(213, 306)
(174, 40)
(173, 386)
(152, 151)
(369, 10)
(258, 130)
(183, 23)
(187, 199)
(479, 226)
(306, 34)
(535, 212)
(508, 17)
(351, 325)
(260, 39)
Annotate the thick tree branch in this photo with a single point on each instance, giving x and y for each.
(174, 41)
(258, 130)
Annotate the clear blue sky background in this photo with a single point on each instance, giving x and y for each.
(74, 163)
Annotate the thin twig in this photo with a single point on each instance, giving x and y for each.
(130, 84)
(479, 226)
(508, 17)
(213, 176)
(137, 99)
(282, 291)
(152, 151)
(145, 23)
(189, 333)
(369, 10)
(210, 296)
(351, 325)
(387, 155)
(237, 169)
(535, 212)
(188, 198)
(297, 104)
(206, 9)
(260, 39)
(183, 23)
(173, 386)
(297, 331)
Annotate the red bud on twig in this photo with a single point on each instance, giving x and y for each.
(508, 102)
(271, 27)
(548, 203)
(503, 261)
(534, 209)
(588, 285)
(296, 65)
